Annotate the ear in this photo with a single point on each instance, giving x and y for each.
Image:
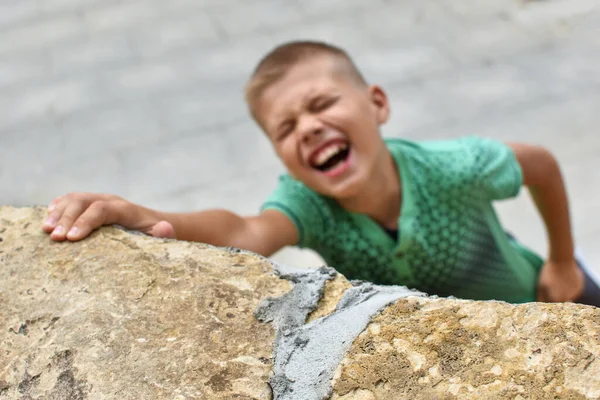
(381, 103)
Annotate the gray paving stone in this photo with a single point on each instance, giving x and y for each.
(178, 163)
(326, 10)
(39, 33)
(555, 12)
(230, 59)
(243, 193)
(189, 6)
(13, 12)
(24, 159)
(468, 9)
(257, 16)
(582, 178)
(118, 126)
(490, 39)
(458, 96)
(424, 22)
(51, 100)
(21, 68)
(175, 32)
(589, 23)
(339, 29)
(576, 63)
(51, 7)
(402, 63)
(202, 106)
(566, 126)
(121, 15)
(100, 173)
(93, 54)
(142, 78)
(403, 59)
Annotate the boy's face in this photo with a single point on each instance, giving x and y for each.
(324, 126)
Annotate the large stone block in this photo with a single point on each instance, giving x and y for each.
(125, 316)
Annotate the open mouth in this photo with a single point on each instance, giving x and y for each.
(331, 156)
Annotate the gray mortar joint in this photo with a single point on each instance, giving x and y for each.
(306, 355)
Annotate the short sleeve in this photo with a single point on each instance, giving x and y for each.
(302, 206)
(495, 166)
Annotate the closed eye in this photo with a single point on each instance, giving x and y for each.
(285, 129)
(322, 103)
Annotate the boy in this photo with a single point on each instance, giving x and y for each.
(388, 211)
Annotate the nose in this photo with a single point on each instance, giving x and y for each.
(310, 127)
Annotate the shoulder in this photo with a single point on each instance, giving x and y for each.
(289, 189)
(455, 160)
(434, 155)
(485, 164)
(467, 148)
(441, 147)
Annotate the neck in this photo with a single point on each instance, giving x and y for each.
(381, 197)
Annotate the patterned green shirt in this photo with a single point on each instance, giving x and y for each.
(450, 241)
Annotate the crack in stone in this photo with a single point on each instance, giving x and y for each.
(21, 331)
(149, 286)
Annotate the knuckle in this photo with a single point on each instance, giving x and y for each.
(99, 206)
(100, 209)
(66, 219)
(77, 196)
(81, 222)
(71, 198)
(57, 199)
(118, 202)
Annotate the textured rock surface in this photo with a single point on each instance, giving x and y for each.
(451, 349)
(124, 316)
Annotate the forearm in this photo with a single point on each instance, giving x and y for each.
(75, 215)
(215, 227)
(542, 175)
(551, 200)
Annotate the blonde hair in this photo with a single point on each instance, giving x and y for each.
(275, 65)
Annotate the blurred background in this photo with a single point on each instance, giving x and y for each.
(143, 98)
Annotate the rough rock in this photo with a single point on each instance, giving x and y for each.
(124, 316)
(454, 349)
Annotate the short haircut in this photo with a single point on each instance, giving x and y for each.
(275, 65)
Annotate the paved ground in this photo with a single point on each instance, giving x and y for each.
(144, 98)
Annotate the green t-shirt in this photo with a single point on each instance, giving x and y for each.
(450, 241)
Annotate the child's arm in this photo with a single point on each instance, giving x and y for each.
(76, 215)
(560, 279)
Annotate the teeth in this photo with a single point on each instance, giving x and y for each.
(329, 152)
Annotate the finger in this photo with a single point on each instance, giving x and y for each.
(163, 229)
(94, 217)
(55, 212)
(54, 203)
(70, 214)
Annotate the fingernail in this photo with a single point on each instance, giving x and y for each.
(73, 232)
(51, 207)
(50, 222)
(59, 230)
